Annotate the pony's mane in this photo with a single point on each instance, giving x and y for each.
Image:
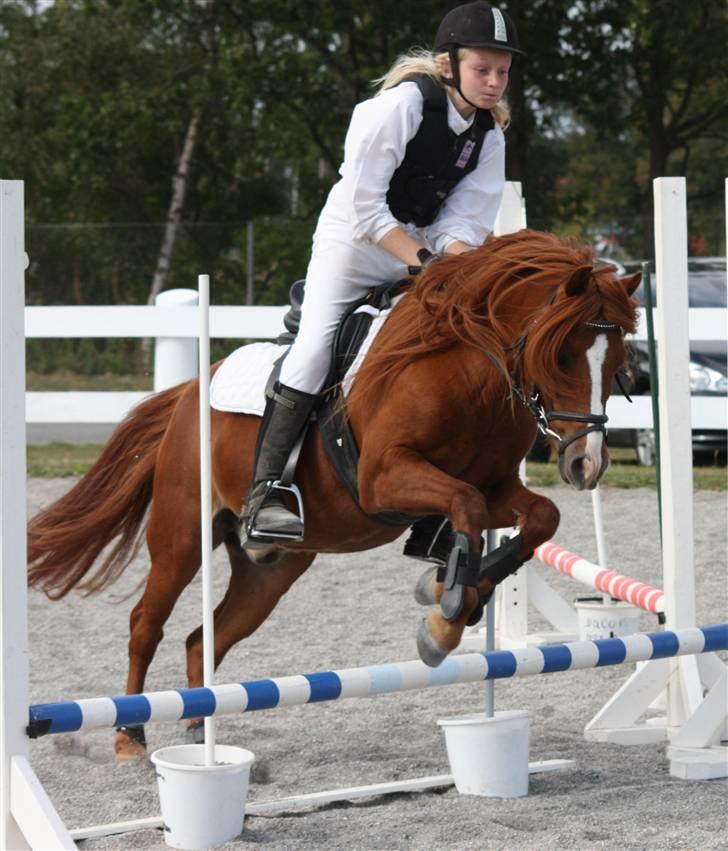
(469, 300)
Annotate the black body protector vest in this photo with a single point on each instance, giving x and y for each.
(436, 159)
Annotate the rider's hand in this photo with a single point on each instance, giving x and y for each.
(426, 258)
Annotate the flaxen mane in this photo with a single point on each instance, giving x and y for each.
(473, 299)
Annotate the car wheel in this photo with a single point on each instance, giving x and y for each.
(644, 446)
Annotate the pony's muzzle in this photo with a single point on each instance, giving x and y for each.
(584, 462)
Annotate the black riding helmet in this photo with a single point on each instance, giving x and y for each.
(475, 25)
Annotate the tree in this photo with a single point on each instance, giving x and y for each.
(649, 77)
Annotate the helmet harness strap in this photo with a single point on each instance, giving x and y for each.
(454, 82)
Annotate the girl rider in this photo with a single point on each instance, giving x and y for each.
(423, 174)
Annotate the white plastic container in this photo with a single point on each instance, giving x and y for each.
(202, 805)
(606, 620)
(488, 755)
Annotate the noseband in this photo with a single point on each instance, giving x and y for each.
(544, 418)
(596, 422)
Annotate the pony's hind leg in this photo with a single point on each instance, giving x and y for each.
(252, 594)
(174, 564)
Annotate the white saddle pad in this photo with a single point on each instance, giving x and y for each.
(239, 384)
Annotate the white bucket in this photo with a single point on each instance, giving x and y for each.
(488, 755)
(202, 805)
(598, 619)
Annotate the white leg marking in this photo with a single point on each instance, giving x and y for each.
(595, 357)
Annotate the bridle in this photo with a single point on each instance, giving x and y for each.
(533, 403)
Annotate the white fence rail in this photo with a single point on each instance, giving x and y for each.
(265, 323)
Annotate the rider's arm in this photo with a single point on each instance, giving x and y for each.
(401, 244)
(458, 247)
(376, 142)
(468, 213)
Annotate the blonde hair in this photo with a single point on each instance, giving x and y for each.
(435, 65)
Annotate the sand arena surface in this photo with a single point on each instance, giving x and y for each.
(358, 610)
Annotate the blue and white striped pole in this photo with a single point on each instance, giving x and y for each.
(93, 713)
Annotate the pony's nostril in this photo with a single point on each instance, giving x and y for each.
(576, 469)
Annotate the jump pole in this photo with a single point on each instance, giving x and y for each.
(609, 582)
(256, 695)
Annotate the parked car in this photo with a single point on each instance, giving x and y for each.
(706, 288)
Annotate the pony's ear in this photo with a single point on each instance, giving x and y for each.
(631, 282)
(578, 281)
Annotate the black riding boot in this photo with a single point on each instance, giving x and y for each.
(286, 414)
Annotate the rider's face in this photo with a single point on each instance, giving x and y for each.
(483, 77)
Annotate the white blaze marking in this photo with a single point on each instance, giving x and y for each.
(595, 357)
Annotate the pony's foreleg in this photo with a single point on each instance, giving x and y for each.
(509, 504)
(537, 519)
(400, 479)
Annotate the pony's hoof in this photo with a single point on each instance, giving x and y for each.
(127, 749)
(428, 649)
(196, 733)
(423, 588)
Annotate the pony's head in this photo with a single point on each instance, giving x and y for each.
(574, 313)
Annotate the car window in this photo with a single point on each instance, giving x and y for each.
(706, 285)
(706, 289)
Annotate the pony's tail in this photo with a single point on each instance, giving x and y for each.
(110, 501)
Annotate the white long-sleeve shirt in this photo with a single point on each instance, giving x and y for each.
(375, 146)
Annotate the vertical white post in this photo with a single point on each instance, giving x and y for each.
(27, 817)
(491, 542)
(512, 211)
(602, 557)
(513, 612)
(208, 627)
(673, 359)
(14, 695)
(676, 454)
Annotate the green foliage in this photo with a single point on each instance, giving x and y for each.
(98, 97)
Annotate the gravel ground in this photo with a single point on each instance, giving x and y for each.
(358, 610)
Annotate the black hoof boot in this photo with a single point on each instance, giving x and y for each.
(196, 732)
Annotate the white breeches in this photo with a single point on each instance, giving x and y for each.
(341, 271)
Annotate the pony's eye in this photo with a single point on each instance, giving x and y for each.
(563, 360)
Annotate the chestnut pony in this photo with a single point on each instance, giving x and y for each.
(444, 408)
